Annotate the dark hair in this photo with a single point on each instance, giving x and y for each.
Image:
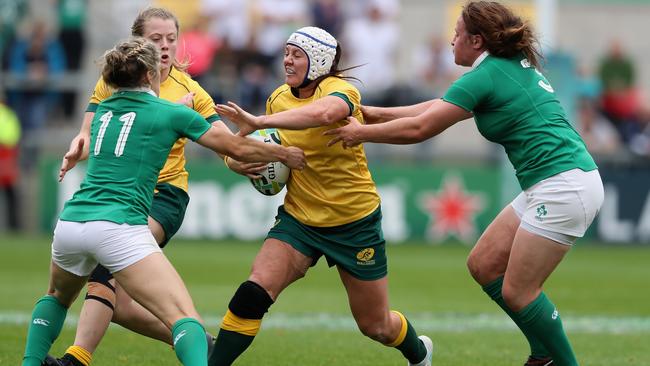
(504, 33)
(127, 64)
(335, 71)
(137, 29)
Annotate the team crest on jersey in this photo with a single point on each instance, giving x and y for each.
(365, 257)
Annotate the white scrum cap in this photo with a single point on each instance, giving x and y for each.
(319, 46)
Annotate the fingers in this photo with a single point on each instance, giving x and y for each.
(334, 141)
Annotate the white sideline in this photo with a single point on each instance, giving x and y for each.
(424, 322)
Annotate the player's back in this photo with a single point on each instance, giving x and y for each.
(131, 136)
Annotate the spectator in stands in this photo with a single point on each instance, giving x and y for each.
(37, 62)
(434, 67)
(72, 21)
(327, 15)
(596, 131)
(198, 47)
(371, 41)
(620, 99)
(11, 14)
(9, 137)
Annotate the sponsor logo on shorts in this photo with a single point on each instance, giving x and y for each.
(43, 322)
(365, 257)
(541, 212)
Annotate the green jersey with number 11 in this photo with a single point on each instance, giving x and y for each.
(515, 106)
(131, 136)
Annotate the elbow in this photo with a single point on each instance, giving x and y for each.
(326, 116)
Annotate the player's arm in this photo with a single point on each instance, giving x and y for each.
(322, 112)
(79, 146)
(372, 115)
(408, 130)
(250, 150)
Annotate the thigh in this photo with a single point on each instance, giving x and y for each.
(167, 211)
(532, 259)
(488, 259)
(277, 265)
(368, 299)
(64, 285)
(154, 283)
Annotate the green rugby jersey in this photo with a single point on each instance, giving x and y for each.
(515, 106)
(130, 138)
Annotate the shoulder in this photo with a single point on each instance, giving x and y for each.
(184, 80)
(283, 90)
(334, 83)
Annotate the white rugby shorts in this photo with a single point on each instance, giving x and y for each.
(561, 207)
(77, 247)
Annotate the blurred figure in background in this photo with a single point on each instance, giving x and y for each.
(372, 41)
(9, 137)
(434, 67)
(596, 131)
(11, 13)
(72, 21)
(198, 47)
(36, 62)
(327, 15)
(620, 97)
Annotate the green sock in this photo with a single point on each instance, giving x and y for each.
(228, 347)
(541, 318)
(412, 347)
(189, 342)
(46, 324)
(493, 289)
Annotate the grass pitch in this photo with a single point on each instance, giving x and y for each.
(602, 293)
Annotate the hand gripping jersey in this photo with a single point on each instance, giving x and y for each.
(172, 89)
(131, 136)
(336, 187)
(515, 106)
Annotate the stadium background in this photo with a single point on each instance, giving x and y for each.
(437, 196)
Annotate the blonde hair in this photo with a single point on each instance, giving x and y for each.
(137, 29)
(127, 64)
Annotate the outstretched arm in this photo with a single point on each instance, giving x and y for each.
(408, 130)
(251, 150)
(322, 112)
(372, 115)
(79, 146)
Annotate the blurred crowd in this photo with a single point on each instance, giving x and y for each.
(234, 49)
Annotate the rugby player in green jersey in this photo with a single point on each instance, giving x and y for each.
(331, 209)
(515, 106)
(105, 222)
(105, 301)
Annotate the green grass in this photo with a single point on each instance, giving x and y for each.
(601, 291)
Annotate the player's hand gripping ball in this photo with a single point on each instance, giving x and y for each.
(275, 176)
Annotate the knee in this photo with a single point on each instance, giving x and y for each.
(486, 265)
(101, 288)
(514, 297)
(377, 331)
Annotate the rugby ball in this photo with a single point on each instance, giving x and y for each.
(275, 176)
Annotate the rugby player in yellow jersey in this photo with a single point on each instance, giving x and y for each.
(331, 209)
(104, 301)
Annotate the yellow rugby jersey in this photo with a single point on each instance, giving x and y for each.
(336, 187)
(172, 89)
